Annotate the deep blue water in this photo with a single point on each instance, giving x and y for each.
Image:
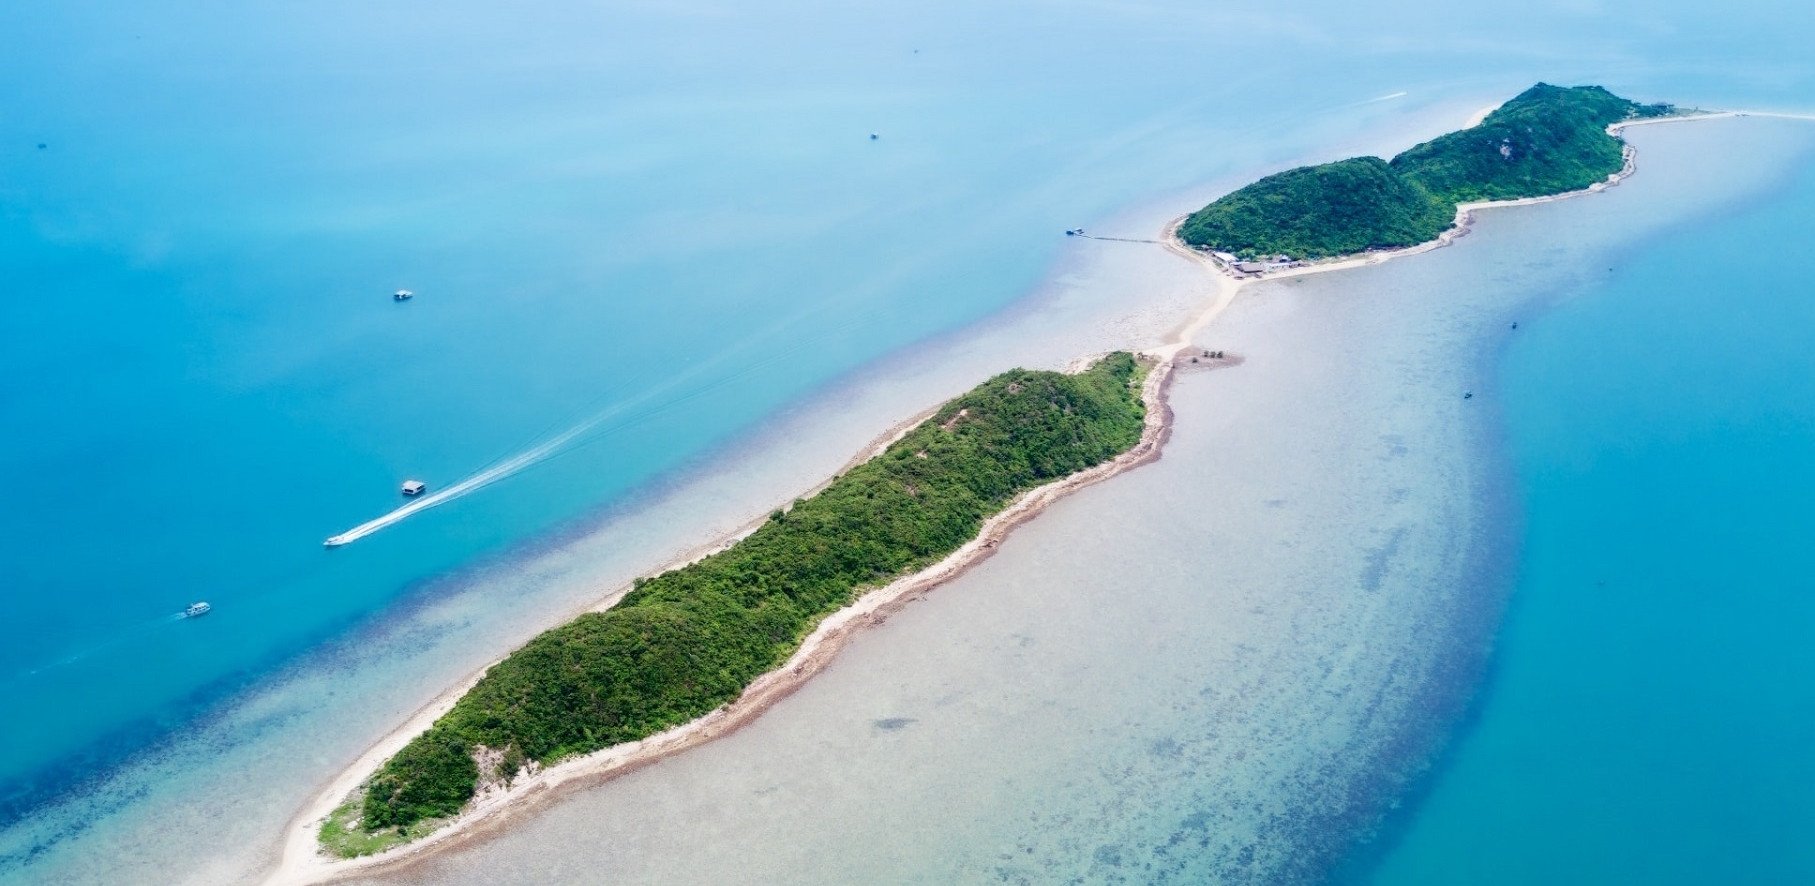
(205, 376)
(1650, 714)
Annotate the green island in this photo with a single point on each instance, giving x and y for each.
(1547, 140)
(683, 643)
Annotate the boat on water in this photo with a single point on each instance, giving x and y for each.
(403, 295)
(410, 489)
(197, 609)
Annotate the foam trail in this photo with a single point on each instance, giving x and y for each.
(102, 646)
(1385, 98)
(518, 462)
(749, 367)
(485, 477)
(585, 429)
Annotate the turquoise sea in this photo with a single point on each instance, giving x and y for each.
(667, 228)
(1649, 713)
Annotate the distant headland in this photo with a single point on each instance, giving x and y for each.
(704, 647)
(1548, 140)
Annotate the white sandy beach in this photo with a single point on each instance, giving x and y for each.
(805, 222)
(1173, 676)
(303, 864)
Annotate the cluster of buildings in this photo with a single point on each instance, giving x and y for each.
(1231, 262)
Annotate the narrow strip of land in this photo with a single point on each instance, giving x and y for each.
(303, 862)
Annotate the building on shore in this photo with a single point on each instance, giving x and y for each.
(1267, 266)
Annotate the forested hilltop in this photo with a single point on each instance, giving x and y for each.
(687, 641)
(1547, 140)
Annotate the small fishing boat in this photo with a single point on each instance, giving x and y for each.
(403, 295)
(414, 487)
(198, 609)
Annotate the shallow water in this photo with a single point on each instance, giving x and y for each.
(1649, 716)
(210, 377)
(1220, 667)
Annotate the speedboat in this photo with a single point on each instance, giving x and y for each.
(197, 609)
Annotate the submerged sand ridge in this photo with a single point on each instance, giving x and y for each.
(1229, 684)
(303, 861)
(301, 865)
(1092, 619)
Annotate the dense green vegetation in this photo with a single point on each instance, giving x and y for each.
(1547, 140)
(1314, 211)
(687, 641)
(342, 836)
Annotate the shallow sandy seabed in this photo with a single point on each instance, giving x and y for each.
(1223, 665)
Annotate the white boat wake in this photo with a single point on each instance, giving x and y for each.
(477, 481)
(506, 467)
(588, 431)
(119, 637)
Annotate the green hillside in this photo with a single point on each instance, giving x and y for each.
(687, 641)
(1318, 211)
(1547, 140)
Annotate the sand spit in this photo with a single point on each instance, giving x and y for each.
(301, 859)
